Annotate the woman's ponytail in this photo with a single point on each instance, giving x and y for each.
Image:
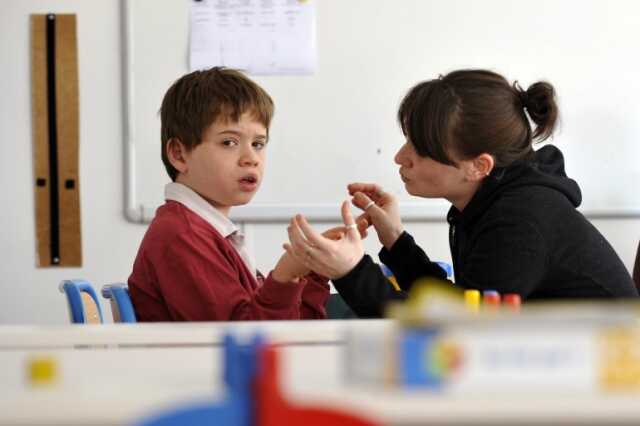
(539, 101)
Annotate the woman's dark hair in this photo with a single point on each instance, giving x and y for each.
(470, 112)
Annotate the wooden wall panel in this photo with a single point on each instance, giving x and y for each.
(56, 139)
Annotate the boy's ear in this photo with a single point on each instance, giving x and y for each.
(479, 167)
(176, 153)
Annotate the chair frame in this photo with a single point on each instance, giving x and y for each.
(121, 306)
(636, 268)
(81, 299)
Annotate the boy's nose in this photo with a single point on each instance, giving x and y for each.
(249, 158)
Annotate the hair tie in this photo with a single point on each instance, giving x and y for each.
(522, 94)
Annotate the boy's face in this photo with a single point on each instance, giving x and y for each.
(227, 167)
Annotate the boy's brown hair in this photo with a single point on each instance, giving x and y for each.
(198, 99)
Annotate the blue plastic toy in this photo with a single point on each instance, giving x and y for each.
(240, 370)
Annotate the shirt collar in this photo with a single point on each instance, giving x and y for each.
(193, 201)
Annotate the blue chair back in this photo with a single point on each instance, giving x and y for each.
(448, 269)
(121, 306)
(84, 307)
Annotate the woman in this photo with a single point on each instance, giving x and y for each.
(513, 222)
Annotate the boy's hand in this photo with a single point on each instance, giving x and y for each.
(328, 257)
(289, 269)
(380, 209)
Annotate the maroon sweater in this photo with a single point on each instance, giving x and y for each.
(186, 271)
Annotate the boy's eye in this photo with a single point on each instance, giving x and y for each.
(259, 145)
(229, 142)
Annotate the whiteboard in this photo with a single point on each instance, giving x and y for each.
(339, 125)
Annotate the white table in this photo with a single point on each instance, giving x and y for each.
(179, 334)
(124, 372)
(107, 386)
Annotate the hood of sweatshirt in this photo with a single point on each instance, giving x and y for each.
(544, 168)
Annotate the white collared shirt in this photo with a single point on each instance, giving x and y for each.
(193, 201)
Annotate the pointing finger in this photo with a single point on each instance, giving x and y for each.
(347, 218)
(316, 239)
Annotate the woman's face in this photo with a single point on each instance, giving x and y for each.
(425, 177)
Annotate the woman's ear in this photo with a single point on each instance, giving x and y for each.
(480, 167)
(176, 153)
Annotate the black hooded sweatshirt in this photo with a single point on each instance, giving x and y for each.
(520, 233)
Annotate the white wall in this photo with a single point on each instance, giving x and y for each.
(29, 294)
(351, 111)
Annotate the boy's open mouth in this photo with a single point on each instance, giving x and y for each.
(249, 179)
(249, 182)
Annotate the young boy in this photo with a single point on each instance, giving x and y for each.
(192, 264)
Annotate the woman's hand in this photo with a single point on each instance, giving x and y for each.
(340, 231)
(380, 209)
(333, 258)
